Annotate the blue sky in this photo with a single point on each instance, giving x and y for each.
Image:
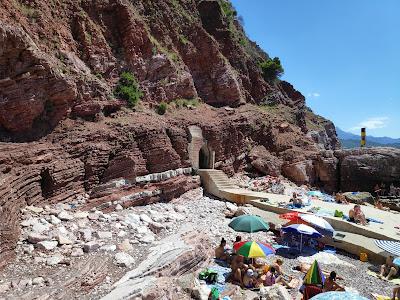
(343, 55)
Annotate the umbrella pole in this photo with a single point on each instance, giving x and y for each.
(301, 243)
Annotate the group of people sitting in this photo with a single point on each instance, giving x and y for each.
(253, 274)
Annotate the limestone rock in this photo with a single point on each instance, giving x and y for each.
(275, 292)
(123, 259)
(76, 252)
(104, 235)
(47, 245)
(34, 209)
(81, 215)
(38, 281)
(64, 240)
(4, 287)
(86, 234)
(54, 260)
(90, 247)
(54, 220)
(108, 248)
(65, 216)
(145, 218)
(36, 237)
(125, 246)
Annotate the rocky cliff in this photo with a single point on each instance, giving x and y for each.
(63, 133)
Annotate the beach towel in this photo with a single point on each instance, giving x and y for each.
(222, 274)
(374, 220)
(376, 275)
(311, 291)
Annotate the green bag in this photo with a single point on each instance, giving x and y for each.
(214, 293)
(338, 214)
(204, 274)
(212, 277)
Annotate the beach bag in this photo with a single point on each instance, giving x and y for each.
(338, 214)
(208, 276)
(214, 294)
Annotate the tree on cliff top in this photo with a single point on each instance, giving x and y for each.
(128, 89)
(272, 69)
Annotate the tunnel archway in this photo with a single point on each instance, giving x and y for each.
(204, 158)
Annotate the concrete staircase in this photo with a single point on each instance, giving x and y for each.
(218, 184)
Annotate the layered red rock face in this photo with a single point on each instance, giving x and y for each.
(62, 132)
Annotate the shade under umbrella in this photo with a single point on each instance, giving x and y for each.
(338, 296)
(248, 223)
(389, 246)
(253, 249)
(302, 229)
(317, 221)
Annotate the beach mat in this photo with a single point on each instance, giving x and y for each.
(376, 275)
(382, 297)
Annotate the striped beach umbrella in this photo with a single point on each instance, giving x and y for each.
(319, 222)
(389, 246)
(314, 275)
(253, 249)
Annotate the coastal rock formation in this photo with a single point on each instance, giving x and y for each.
(64, 133)
(359, 169)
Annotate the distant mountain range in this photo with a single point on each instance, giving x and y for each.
(351, 140)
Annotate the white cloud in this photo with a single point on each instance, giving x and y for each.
(372, 123)
(313, 95)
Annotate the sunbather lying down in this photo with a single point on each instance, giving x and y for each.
(303, 267)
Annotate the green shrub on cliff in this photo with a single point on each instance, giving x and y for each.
(271, 69)
(162, 108)
(128, 89)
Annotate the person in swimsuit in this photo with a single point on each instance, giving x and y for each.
(389, 269)
(331, 285)
(249, 280)
(220, 252)
(357, 216)
(238, 268)
(303, 267)
(273, 277)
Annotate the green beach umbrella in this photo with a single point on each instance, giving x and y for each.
(314, 275)
(248, 223)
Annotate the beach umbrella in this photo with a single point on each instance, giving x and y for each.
(314, 275)
(302, 229)
(338, 296)
(389, 246)
(253, 249)
(317, 221)
(248, 223)
(292, 216)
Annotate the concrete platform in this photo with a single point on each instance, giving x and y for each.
(373, 230)
(351, 237)
(350, 242)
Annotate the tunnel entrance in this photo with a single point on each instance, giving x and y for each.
(201, 155)
(204, 158)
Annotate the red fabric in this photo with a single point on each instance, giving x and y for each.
(311, 291)
(293, 216)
